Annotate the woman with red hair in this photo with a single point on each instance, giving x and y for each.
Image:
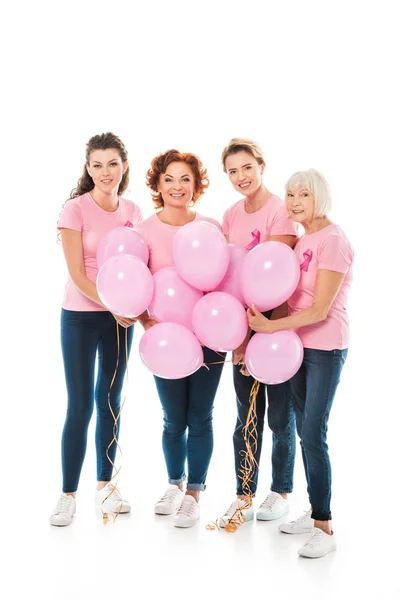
(177, 181)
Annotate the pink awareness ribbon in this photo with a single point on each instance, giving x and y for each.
(128, 224)
(256, 240)
(307, 259)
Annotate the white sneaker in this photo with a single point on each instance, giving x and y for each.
(114, 503)
(170, 502)
(64, 511)
(303, 524)
(240, 511)
(319, 544)
(188, 512)
(273, 507)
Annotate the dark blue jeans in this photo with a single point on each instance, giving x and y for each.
(281, 421)
(85, 336)
(188, 433)
(314, 387)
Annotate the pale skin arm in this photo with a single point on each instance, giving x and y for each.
(238, 354)
(73, 252)
(326, 288)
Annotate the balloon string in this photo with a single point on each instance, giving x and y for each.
(106, 517)
(248, 464)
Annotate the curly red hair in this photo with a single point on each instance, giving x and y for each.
(159, 166)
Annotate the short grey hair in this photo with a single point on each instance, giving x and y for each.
(314, 181)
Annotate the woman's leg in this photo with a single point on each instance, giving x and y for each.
(79, 339)
(173, 395)
(108, 377)
(203, 385)
(323, 370)
(243, 385)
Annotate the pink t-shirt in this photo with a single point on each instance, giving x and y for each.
(159, 237)
(84, 215)
(271, 219)
(328, 249)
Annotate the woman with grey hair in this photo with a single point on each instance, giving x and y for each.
(317, 312)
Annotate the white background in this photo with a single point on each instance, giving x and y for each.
(315, 83)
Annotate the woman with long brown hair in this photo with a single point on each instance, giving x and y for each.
(89, 336)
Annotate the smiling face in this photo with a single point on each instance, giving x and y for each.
(106, 169)
(300, 203)
(244, 172)
(176, 185)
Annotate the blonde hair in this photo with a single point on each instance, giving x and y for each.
(242, 145)
(314, 181)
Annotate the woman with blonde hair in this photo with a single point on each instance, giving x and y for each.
(259, 216)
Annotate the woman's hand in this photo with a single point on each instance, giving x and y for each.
(257, 321)
(124, 321)
(239, 354)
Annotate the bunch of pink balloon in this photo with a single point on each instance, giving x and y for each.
(202, 299)
(124, 282)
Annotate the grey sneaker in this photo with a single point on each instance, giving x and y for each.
(64, 511)
(170, 502)
(303, 524)
(113, 501)
(240, 511)
(188, 513)
(273, 507)
(319, 544)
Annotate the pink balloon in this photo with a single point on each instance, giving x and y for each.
(270, 275)
(219, 321)
(171, 351)
(125, 285)
(173, 298)
(122, 240)
(231, 282)
(274, 357)
(200, 253)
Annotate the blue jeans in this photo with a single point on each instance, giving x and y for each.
(314, 387)
(281, 421)
(85, 336)
(188, 433)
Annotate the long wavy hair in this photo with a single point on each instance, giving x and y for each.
(103, 141)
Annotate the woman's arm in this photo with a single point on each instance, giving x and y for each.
(326, 288)
(73, 252)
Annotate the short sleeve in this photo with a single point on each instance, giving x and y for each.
(335, 254)
(226, 222)
(282, 224)
(139, 214)
(71, 217)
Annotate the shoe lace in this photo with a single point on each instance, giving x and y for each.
(315, 538)
(186, 508)
(115, 495)
(303, 518)
(169, 495)
(235, 516)
(269, 501)
(63, 504)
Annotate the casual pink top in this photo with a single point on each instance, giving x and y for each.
(328, 249)
(160, 236)
(271, 219)
(84, 215)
